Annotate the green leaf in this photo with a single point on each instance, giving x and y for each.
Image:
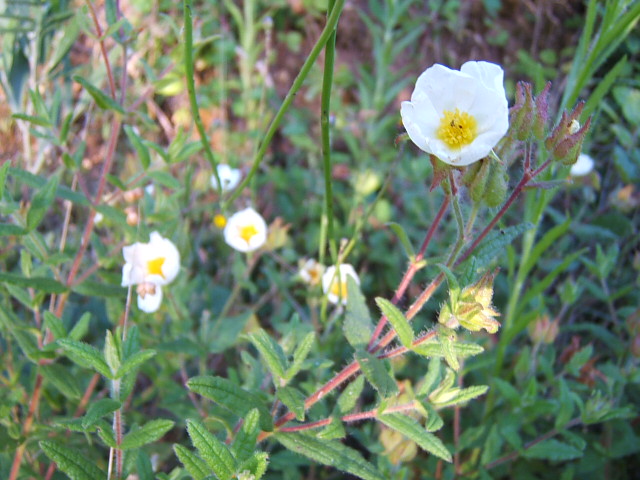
(7, 229)
(403, 237)
(293, 399)
(271, 353)
(196, 467)
(112, 353)
(454, 286)
(492, 446)
(54, 324)
(357, 322)
(85, 355)
(105, 432)
(141, 149)
(42, 284)
(214, 452)
(35, 120)
(377, 374)
(164, 179)
(244, 443)
(60, 378)
(397, 319)
(300, 355)
(148, 433)
(433, 349)
(464, 395)
(257, 464)
(329, 452)
(144, 467)
(553, 449)
(565, 410)
(431, 379)
(41, 202)
(433, 421)
(543, 244)
(134, 361)
(414, 431)
(81, 328)
(103, 100)
(332, 431)
(4, 171)
(497, 241)
(508, 391)
(349, 396)
(231, 397)
(99, 409)
(71, 462)
(447, 340)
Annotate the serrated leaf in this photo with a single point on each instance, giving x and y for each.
(140, 147)
(74, 464)
(60, 378)
(85, 355)
(357, 322)
(377, 375)
(134, 361)
(464, 395)
(300, 355)
(403, 237)
(42, 284)
(331, 453)
(433, 421)
(144, 467)
(111, 353)
(257, 464)
(332, 431)
(231, 397)
(105, 432)
(196, 467)
(454, 286)
(54, 324)
(397, 319)
(293, 399)
(103, 100)
(214, 452)
(349, 396)
(99, 409)
(448, 351)
(244, 443)
(148, 433)
(497, 241)
(433, 349)
(431, 379)
(81, 327)
(414, 431)
(41, 202)
(270, 352)
(553, 449)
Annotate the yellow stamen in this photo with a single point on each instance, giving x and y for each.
(219, 220)
(154, 267)
(457, 129)
(247, 232)
(339, 289)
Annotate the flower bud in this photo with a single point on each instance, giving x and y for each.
(565, 141)
(132, 216)
(521, 115)
(496, 189)
(487, 181)
(543, 330)
(541, 118)
(131, 196)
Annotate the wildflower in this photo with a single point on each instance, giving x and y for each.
(335, 285)
(230, 177)
(583, 166)
(149, 297)
(311, 272)
(458, 116)
(156, 262)
(246, 230)
(219, 220)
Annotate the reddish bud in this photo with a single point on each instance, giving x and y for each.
(541, 117)
(521, 114)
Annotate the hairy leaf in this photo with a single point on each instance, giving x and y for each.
(244, 443)
(293, 399)
(196, 467)
(397, 319)
(214, 452)
(414, 431)
(271, 353)
(148, 433)
(357, 321)
(99, 409)
(71, 462)
(377, 375)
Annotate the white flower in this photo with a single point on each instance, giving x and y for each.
(311, 271)
(230, 177)
(149, 297)
(246, 230)
(336, 288)
(583, 166)
(458, 116)
(155, 262)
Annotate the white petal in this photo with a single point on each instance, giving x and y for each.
(583, 166)
(230, 177)
(163, 247)
(151, 302)
(345, 271)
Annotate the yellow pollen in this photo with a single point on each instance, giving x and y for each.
(154, 267)
(219, 220)
(247, 232)
(457, 129)
(339, 289)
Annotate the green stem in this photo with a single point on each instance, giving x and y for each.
(191, 89)
(327, 81)
(457, 213)
(297, 83)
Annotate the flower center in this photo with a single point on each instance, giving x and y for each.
(247, 232)
(154, 267)
(339, 289)
(457, 129)
(219, 220)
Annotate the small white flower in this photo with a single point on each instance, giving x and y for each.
(155, 262)
(230, 177)
(336, 288)
(458, 116)
(583, 166)
(311, 272)
(149, 297)
(246, 230)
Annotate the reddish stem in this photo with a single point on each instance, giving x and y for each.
(26, 427)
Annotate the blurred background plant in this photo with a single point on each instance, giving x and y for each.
(74, 190)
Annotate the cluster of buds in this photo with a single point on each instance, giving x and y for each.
(471, 307)
(565, 141)
(487, 181)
